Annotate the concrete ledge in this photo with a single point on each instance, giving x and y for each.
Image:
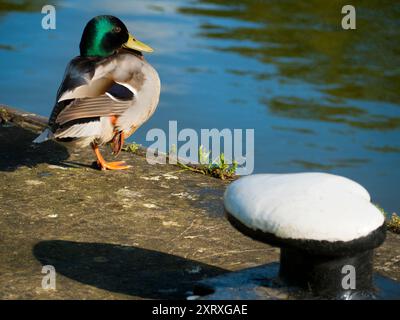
(22, 118)
(150, 232)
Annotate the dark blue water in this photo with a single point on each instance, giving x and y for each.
(319, 98)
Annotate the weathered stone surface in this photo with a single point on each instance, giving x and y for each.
(148, 232)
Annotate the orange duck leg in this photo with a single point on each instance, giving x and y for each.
(104, 165)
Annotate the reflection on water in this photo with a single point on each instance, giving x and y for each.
(305, 42)
(6, 47)
(21, 5)
(301, 109)
(7, 6)
(318, 97)
(337, 163)
(385, 148)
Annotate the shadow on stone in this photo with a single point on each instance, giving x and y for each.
(123, 269)
(17, 149)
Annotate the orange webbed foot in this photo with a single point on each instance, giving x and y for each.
(116, 165)
(104, 165)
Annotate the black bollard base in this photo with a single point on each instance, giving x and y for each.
(265, 283)
(311, 269)
(325, 226)
(327, 276)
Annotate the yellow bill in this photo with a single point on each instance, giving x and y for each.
(137, 45)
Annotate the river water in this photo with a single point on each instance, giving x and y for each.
(319, 98)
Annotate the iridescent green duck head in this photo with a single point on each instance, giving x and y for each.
(104, 35)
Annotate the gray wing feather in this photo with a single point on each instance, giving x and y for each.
(102, 106)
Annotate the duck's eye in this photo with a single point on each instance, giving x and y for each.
(117, 29)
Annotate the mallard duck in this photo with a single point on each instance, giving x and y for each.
(107, 92)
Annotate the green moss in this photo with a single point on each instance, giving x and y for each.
(393, 224)
(381, 210)
(392, 221)
(4, 116)
(131, 147)
(217, 169)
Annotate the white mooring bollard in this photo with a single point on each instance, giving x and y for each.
(324, 224)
